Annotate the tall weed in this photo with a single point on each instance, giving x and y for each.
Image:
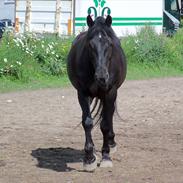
(150, 48)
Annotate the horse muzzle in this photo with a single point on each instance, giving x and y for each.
(102, 79)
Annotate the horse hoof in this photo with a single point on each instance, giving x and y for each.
(113, 149)
(90, 167)
(106, 163)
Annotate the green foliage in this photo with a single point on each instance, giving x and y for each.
(27, 56)
(154, 49)
(15, 58)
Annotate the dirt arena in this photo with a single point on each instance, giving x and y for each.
(39, 142)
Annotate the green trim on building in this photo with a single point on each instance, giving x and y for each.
(136, 23)
(137, 19)
(80, 24)
(80, 18)
(127, 21)
(126, 24)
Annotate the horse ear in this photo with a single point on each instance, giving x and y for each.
(90, 21)
(108, 20)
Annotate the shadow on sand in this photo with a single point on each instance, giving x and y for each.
(57, 158)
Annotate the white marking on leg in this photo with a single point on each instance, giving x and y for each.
(106, 164)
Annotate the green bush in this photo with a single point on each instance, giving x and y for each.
(25, 56)
(51, 53)
(150, 48)
(16, 60)
(146, 46)
(28, 56)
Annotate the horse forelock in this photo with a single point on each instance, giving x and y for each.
(100, 27)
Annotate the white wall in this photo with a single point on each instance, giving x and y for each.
(7, 10)
(148, 10)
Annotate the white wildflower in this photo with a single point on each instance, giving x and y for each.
(19, 63)
(47, 50)
(50, 46)
(5, 60)
(136, 41)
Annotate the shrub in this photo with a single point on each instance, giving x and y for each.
(26, 56)
(51, 54)
(15, 60)
(146, 46)
(151, 48)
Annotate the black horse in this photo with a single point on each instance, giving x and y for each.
(97, 68)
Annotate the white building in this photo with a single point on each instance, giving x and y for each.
(42, 17)
(128, 15)
(7, 9)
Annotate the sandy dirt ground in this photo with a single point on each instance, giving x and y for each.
(39, 142)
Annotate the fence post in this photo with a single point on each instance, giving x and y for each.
(57, 17)
(27, 16)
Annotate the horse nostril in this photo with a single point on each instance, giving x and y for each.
(102, 81)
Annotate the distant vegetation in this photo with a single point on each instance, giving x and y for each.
(28, 58)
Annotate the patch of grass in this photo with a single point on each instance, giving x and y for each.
(138, 71)
(150, 48)
(9, 85)
(32, 62)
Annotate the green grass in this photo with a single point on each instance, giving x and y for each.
(28, 62)
(135, 72)
(141, 71)
(8, 85)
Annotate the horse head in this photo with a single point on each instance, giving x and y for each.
(100, 48)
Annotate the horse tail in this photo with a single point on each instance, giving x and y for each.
(95, 105)
(98, 115)
(116, 111)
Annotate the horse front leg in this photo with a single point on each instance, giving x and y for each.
(90, 162)
(107, 127)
